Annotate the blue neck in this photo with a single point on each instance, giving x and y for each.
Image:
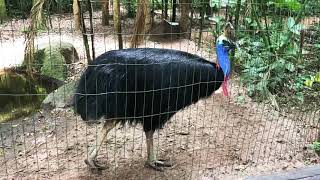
(223, 59)
(222, 52)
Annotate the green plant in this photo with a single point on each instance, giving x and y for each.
(315, 146)
(223, 3)
(60, 5)
(312, 7)
(313, 81)
(273, 64)
(293, 5)
(131, 6)
(220, 21)
(18, 8)
(269, 70)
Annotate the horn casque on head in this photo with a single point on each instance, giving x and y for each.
(229, 31)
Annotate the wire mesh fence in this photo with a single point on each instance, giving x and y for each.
(217, 137)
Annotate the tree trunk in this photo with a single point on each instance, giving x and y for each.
(76, 15)
(190, 27)
(165, 9)
(148, 21)
(40, 21)
(35, 22)
(3, 11)
(174, 10)
(84, 34)
(237, 15)
(208, 9)
(152, 12)
(202, 11)
(257, 20)
(142, 22)
(185, 20)
(247, 11)
(105, 13)
(162, 8)
(91, 28)
(117, 21)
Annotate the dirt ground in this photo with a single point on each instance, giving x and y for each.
(216, 138)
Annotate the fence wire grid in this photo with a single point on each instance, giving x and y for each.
(218, 137)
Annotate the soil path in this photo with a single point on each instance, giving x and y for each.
(214, 138)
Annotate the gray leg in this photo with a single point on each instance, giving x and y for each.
(91, 161)
(152, 160)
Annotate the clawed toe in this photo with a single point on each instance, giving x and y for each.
(93, 164)
(154, 166)
(158, 164)
(163, 163)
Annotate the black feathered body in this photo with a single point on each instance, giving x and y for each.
(146, 86)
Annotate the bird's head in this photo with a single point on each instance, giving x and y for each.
(227, 40)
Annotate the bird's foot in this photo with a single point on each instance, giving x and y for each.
(93, 164)
(158, 164)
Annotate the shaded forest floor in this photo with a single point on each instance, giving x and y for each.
(216, 138)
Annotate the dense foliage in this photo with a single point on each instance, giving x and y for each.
(22, 8)
(279, 61)
(312, 7)
(315, 146)
(280, 57)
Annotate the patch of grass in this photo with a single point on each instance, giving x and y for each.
(316, 147)
(16, 113)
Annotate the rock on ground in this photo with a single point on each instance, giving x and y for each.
(61, 97)
(51, 59)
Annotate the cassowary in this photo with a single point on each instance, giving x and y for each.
(145, 86)
(224, 44)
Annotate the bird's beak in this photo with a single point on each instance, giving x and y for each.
(234, 45)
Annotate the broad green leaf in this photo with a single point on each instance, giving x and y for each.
(293, 49)
(251, 89)
(251, 22)
(290, 67)
(291, 22)
(317, 77)
(295, 28)
(222, 3)
(308, 83)
(215, 3)
(257, 44)
(278, 64)
(293, 5)
(217, 19)
(317, 46)
(270, 3)
(312, 78)
(300, 96)
(262, 85)
(248, 20)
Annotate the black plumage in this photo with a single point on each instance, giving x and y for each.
(145, 86)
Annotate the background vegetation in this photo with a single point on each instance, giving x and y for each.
(280, 39)
(279, 61)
